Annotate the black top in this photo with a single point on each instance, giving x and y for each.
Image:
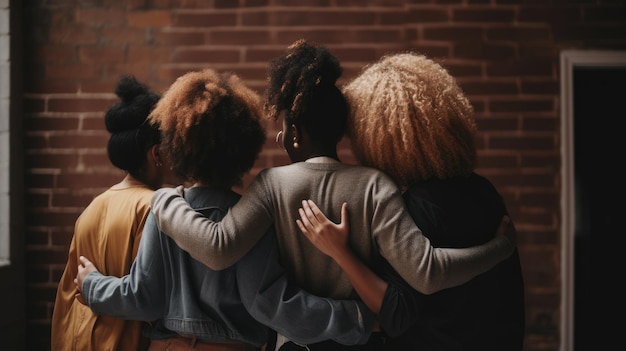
(487, 313)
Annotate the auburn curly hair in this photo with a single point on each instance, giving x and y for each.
(410, 119)
(302, 81)
(211, 127)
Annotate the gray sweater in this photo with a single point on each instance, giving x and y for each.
(379, 225)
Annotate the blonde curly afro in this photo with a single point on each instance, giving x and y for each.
(211, 127)
(410, 119)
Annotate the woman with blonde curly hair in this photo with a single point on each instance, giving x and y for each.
(303, 95)
(212, 134)
(410, 119)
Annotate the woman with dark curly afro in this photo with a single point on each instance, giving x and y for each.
(303, 94)
(410, 119)
(212, 134)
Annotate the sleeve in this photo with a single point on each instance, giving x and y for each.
(140, 294)
(216, 244)
(269, 298)
(410, 253)
(401, 304)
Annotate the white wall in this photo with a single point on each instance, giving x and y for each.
(5, 78)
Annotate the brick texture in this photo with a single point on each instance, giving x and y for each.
(504, 53)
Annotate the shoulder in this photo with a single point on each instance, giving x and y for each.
(276, 176)
(369, 175)
(142, 196)
(212, 202)
(284, 169)
(482, 181)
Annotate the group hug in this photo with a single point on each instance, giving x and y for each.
(409, 249)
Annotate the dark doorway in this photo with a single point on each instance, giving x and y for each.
(599, 145)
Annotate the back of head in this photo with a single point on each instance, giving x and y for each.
(303, 82)
(211, 127)
(410, 119)
(127, 121)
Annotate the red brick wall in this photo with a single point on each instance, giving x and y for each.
(504, 54)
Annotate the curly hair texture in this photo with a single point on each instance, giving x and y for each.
(410, 119)
(211, 127)
(303, 82)
(131, 135)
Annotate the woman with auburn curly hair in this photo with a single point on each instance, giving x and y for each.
(410, 119)
(303, 94)
(212, 134)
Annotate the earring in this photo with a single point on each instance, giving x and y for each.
(158, 164)
(279, 140)
(294, 130)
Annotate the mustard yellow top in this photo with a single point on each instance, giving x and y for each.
(108, 233)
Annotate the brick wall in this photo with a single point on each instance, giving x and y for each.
(503, 53)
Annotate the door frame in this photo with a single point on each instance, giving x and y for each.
(569, 60)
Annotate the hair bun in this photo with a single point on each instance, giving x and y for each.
(136, 104)
(127, 121)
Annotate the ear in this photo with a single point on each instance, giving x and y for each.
(295, 136)
(155, 153)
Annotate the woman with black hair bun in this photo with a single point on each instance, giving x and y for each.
(110, 227)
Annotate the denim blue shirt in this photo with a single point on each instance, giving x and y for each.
(180, 295)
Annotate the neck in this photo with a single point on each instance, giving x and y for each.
(324, 152)
(129, 181)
